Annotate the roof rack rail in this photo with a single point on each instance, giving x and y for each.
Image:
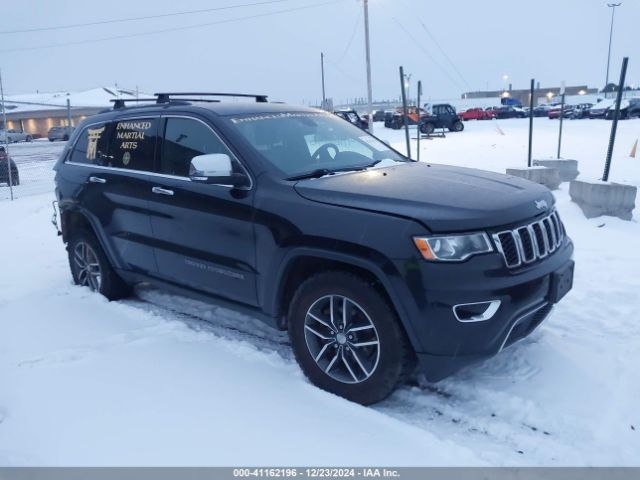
(165, 97)
(121, 102)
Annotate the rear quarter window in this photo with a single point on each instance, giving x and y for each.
(92, 145)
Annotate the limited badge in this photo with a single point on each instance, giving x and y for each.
(126, 158)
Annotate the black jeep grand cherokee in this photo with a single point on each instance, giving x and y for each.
(371, 261)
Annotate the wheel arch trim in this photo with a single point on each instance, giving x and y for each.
(273, 295)
(74, 209)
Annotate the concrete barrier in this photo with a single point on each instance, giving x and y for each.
(568, 169)
(604, 198)
(549, 177)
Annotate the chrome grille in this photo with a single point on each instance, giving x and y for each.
(531, 242)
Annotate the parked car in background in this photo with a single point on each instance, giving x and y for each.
(13, 136)
(509, 112)
(634, 108)
(628, 108)
(472, 114)
(5, 161)
(352, 116)
(378, 115)
(580, 111)
(490, 113)
(413, 117)
(554, 112)
(441, 115)
(599, 110)
(541, 110)
(388, 118)
(60, 133)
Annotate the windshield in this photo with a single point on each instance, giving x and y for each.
(301, 142)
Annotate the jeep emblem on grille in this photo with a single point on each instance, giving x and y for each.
(541, 204)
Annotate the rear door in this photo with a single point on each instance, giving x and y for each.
(204, 233)
(112, 162)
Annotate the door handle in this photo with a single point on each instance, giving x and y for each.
(97, 180)
(162, 191)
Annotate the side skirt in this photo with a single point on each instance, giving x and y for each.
(137, 278)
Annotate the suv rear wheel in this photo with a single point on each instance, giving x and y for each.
(91, 268)
(347, 338)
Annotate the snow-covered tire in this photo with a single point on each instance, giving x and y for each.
(90, 266)
(427, 128)
(457, 126)
(361, 355)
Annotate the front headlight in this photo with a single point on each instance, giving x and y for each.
(453, 248)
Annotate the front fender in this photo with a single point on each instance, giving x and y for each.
(381, 269)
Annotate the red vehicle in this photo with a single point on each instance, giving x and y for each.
(477, 114)
(489, 113)
(473, 114)
(554, 112)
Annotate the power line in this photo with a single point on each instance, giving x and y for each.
(353, 35)
(444, 54)
(166, 30)
(132, 19)
(426, 52)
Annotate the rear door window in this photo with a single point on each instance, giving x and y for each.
(133, 144)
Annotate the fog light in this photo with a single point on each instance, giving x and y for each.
(477, 311)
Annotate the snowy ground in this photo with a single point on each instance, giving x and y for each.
(163, 380)
(35, 161)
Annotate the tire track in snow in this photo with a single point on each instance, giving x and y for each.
(442, 410)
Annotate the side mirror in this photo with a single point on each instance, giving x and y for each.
(215, 168)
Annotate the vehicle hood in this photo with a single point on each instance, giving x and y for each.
(441, 197)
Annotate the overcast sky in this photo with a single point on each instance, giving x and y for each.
(466, 45)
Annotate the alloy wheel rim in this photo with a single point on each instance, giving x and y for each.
(342, 339)
(88, 266)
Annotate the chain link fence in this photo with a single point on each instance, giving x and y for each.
(31, 165)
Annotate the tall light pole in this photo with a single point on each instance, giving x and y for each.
(612, 6)
(368, 53)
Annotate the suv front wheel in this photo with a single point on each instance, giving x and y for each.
(91, 268)
(347, 338)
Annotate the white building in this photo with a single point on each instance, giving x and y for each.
(36, 113)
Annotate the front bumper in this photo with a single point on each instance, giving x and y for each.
(442, 342)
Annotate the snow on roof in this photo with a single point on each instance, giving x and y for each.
(96, 97)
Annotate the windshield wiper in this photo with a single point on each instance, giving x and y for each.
(317, 173)
(321, 172)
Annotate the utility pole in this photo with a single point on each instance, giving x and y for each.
(531, 94)
(562, 91)
(324, 98)
(419, 117)
(614, 124)
(69, 115)
(612, 6)
(6, 139)
(405, 113)
(368, 52)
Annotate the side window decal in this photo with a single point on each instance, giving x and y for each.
(92, 147)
